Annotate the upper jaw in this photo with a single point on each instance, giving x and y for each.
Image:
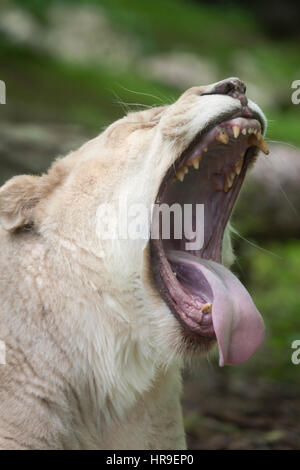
(196, 123)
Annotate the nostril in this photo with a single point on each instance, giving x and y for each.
(230, 86)
(233, 87)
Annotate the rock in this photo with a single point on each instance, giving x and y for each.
(180, 70)
(269, 205)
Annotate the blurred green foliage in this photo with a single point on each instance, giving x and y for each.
(224, 35)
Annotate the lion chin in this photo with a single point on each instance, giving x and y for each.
(96, 328)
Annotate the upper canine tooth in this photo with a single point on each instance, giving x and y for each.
(236, 131)
(222, 137)
(230, 179)
(263, 146)
(238, 166)
(260, 143)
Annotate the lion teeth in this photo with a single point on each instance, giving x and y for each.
(180, 173)
(195, 162)
(259, 142)
(244, 131)
(222, 137)
(236, 131)
(238, 166)
(230, 180)
(263, 146)
(207, 308)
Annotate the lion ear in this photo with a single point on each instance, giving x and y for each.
(18, 198)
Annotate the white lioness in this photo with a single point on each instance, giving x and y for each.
(96, 328)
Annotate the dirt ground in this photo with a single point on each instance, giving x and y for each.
(224, 411)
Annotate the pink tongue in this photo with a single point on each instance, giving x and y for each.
(237, 323)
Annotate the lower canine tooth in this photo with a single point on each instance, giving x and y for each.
(236, 131)
(222, 137)
(207, 308)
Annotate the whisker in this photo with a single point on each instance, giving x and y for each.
(282, 143)
(254, 244)
(267, 161)
(142, 93)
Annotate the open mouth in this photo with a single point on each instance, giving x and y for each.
(207, 299)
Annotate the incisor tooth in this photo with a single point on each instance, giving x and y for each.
(207, 308)
(236, 131)
(196, 164)
(222, 137)
(244, 131)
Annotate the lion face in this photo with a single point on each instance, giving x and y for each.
(162, 295)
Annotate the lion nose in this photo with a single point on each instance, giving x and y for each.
(233, 87)
(229, 86)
